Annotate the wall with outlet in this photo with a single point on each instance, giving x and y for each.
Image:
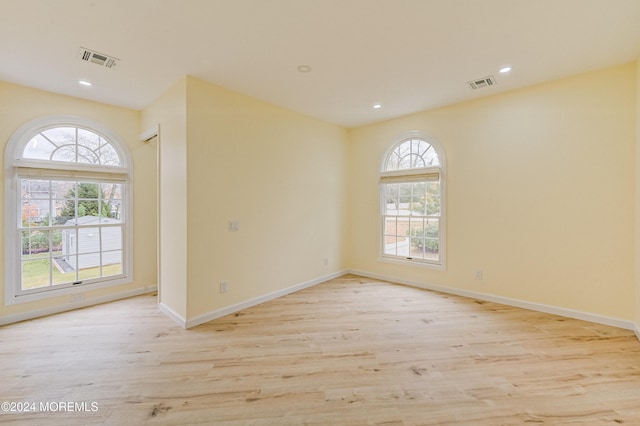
(543, 194)
(540, 193)
(268, 186)
(259, 199)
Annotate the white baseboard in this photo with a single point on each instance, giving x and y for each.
(36, 313)
(201, 319)
(549, 309)
(636, 328)
(172, 314)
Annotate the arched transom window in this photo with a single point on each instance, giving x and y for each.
(68, 195)
(72, 145)
(412, 192)
(412, 154)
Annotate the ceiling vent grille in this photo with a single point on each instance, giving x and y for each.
(482, 82)
(103, 60)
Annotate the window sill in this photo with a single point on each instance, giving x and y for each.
(411, 262)
(16, 299)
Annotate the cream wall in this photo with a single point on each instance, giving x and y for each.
(170, 113)
(540, 193)
(280, 174)
(19, 105)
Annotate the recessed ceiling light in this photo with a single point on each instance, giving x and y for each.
(377, 106)
(85, 83)
(505, 69)
(304, 68)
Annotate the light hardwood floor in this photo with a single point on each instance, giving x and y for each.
(352, 351)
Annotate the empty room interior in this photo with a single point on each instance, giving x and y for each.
(320, 212)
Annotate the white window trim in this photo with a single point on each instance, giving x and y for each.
(415, 134)
(13, 164)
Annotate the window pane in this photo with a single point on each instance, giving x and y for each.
(36, 273)
(64, 201)
(393, 162)
(111, 194)
(86, 262)
(431, 157)
(391, 198)
(115, 210)
(112, 263)
(87, 156)
(35, 244)
(60, 144)
(61, 135)
(432, 239)
(69, 243)
(417, 148)
(31, 215)
(89, 266)
(418, 198)
(405, 162)
(390, 235)
(88, 140)
(390, 246)
(56, 242)
(66, 153)
(404, 149)
(432, 198)
(87, 196)
(64, 141)
(108, 156)
(390, 226)
(411, 154)
(88, 242)
(404, 199)
(112, 191)
(35, 208)
(39, 148)
(64, 271)
(111, 238)
(417, 235)
(403, 244)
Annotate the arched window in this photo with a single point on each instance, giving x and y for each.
(68, 209)
(412, 192)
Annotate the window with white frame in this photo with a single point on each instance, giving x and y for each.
(412, 202)
(68, 209)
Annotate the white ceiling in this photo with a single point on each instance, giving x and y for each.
(409, 55)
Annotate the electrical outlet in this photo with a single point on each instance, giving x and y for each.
(479, 274)
(76, 298)
(326, 261)
(223, 286)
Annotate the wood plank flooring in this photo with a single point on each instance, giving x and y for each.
(351, 351)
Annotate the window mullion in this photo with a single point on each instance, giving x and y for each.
(76, 145)
(50, 257)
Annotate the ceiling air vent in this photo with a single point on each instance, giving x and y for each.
(482, 82)
(98, 58)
